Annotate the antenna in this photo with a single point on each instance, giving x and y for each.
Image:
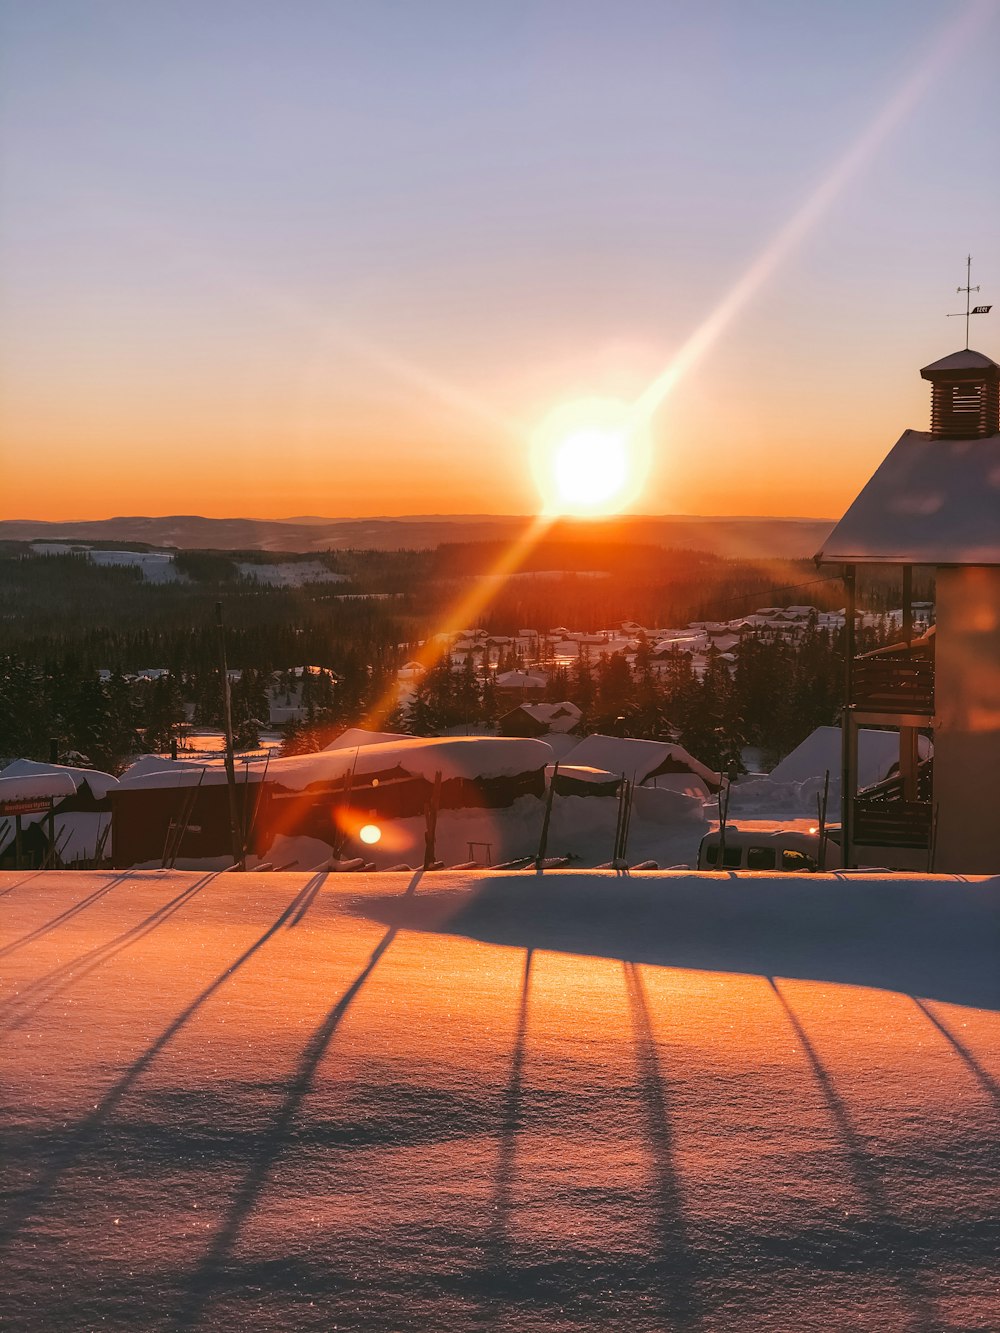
(969, 308)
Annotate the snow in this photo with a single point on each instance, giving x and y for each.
(567, 1102)
(155, 763)
(289, 574)
(419, 756)
(156, 566)
(355, 736)
(521, 680)
(930, 502)
(35, 786)
(821, 752)
(558, 717)
(637, 759)
(78, 834)
(99, 783)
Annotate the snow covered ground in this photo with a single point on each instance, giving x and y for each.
(156, 566)
(290, 574)
(464, 1101)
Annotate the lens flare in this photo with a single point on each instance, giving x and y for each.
(590, 457)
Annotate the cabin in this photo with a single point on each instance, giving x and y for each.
(180, 811)
(934, 503)
(62, 804)
(646, 763)
(540, 719)
(518, 686)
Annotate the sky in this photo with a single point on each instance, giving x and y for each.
(339, 259)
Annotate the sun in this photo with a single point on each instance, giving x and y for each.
(590, 457)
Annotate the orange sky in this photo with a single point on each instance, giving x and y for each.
(362, 292)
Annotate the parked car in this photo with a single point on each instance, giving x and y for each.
(785, 851)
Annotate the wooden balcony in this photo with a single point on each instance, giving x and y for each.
(893, 685)
(880, 823)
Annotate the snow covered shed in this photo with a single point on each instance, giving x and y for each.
(646, 763)
(80, 808)
(313, 795)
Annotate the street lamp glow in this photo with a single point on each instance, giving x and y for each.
(370, 833)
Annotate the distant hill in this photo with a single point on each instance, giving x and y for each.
(788, 538)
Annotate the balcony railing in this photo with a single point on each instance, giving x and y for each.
(879, 823)
(893, 685)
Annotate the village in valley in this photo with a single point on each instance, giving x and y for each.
(617, 747)
(468, 686)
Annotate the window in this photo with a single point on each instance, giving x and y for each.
(732, 858)
(797, 861)
(966, 399)
(760, 858)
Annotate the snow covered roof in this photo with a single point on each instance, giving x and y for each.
(414, 756)
(100, 783)
(155, 763)
(31, 786)
(521, 680)
(557, 717)
(820, 753)
(583, 773)
(931, 502)
(637, 759)
(355, 736)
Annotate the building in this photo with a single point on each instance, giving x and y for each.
(540, 719)
(934, 501)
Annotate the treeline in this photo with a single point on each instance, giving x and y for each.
(772, 696)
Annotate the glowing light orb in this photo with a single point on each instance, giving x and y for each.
(370, 833)
(590, 457)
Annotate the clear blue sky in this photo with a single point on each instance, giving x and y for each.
(352, 235)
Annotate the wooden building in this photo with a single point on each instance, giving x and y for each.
(934, 502)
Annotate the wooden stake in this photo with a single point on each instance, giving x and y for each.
(821, 804)
(239, 857)
(431, 816)
(543, 841)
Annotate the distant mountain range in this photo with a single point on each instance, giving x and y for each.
(790, 538)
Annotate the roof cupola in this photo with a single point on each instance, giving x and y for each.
(965, 396)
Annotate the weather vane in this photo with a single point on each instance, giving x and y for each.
(969, 308)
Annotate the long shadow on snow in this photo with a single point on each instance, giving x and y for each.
(358, 1286)
(935, 940)
(205, 1279)
(87, 1132)
(73, 910)
(677, 1261)
(36, 994)
(888, 1232)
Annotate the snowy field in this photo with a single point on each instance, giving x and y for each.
(292, 574)
(156, 566)
(496, 1101)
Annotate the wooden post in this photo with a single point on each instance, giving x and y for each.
(50, 819)
(848, 739)
(821, 804)
(627, 824)
(543, 841)
(430, 834)
(907, 606)
(17, 842)
(227, 718)
(620, 821)
(723, 818)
